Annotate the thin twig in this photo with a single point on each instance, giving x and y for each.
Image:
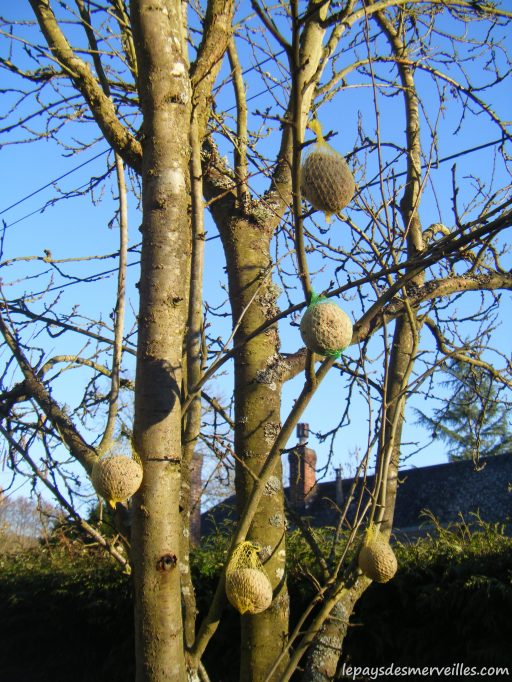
(211, 620)
(119, 313)
(90, 530)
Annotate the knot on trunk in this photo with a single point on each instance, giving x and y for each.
(166, 563)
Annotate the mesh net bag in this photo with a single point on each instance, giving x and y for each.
(325, 328)
(247, 585)
(116, 477)
(376, 557)
(326, 180)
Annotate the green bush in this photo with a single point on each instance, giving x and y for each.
(67, 613)
(65, 616)
(450, 602)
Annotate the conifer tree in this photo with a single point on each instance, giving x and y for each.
(472, 421)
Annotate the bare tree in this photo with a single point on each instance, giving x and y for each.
(23, 522)
(165, 86)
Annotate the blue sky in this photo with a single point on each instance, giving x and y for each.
(80, 227)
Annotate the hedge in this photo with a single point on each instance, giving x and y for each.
(66, 613)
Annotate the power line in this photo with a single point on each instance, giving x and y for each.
(49, 184)
(85, 280)
(434, 164)
(372, 183)
(50, 203)
(101, 275)
(105, 151)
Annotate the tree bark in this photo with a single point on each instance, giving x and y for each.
(257, 423)
(323, 657)
(259, 368)
(405, 338)
(164, 90)
(86, 83)
(324, 654)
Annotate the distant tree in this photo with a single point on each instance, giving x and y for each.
(23, 521)
(472, 420)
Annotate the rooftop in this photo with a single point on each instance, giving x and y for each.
(446, 490)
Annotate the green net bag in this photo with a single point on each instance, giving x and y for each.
(326, 180)
(376, 558)
(325, 328)
(247, 585)
(116, 477)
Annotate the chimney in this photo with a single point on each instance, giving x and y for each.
(196, 489)
(303, 433)
(302, 461)
(339, 486)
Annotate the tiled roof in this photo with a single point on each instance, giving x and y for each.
(446, 490)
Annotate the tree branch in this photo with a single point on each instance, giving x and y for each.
(444, 347)
(216, 36)
(102, 108)
(70, 436)
(241, 169)
(119, 312)
(211, 620)
(90, 530)
(386, 4)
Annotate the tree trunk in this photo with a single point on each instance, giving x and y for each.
(257, 423)
(164, 91)
(192, 369)
(324, 655)
(246, 230)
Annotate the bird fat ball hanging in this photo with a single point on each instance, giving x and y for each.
(326, 180)
(325, 328)
(116, 478)
(376, 557)
(247, 585)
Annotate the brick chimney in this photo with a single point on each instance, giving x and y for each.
(339, 486)
(302, 461)
(196, 489)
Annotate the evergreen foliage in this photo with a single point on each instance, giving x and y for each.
(450, 601)
(66, 615)
(472, 420)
